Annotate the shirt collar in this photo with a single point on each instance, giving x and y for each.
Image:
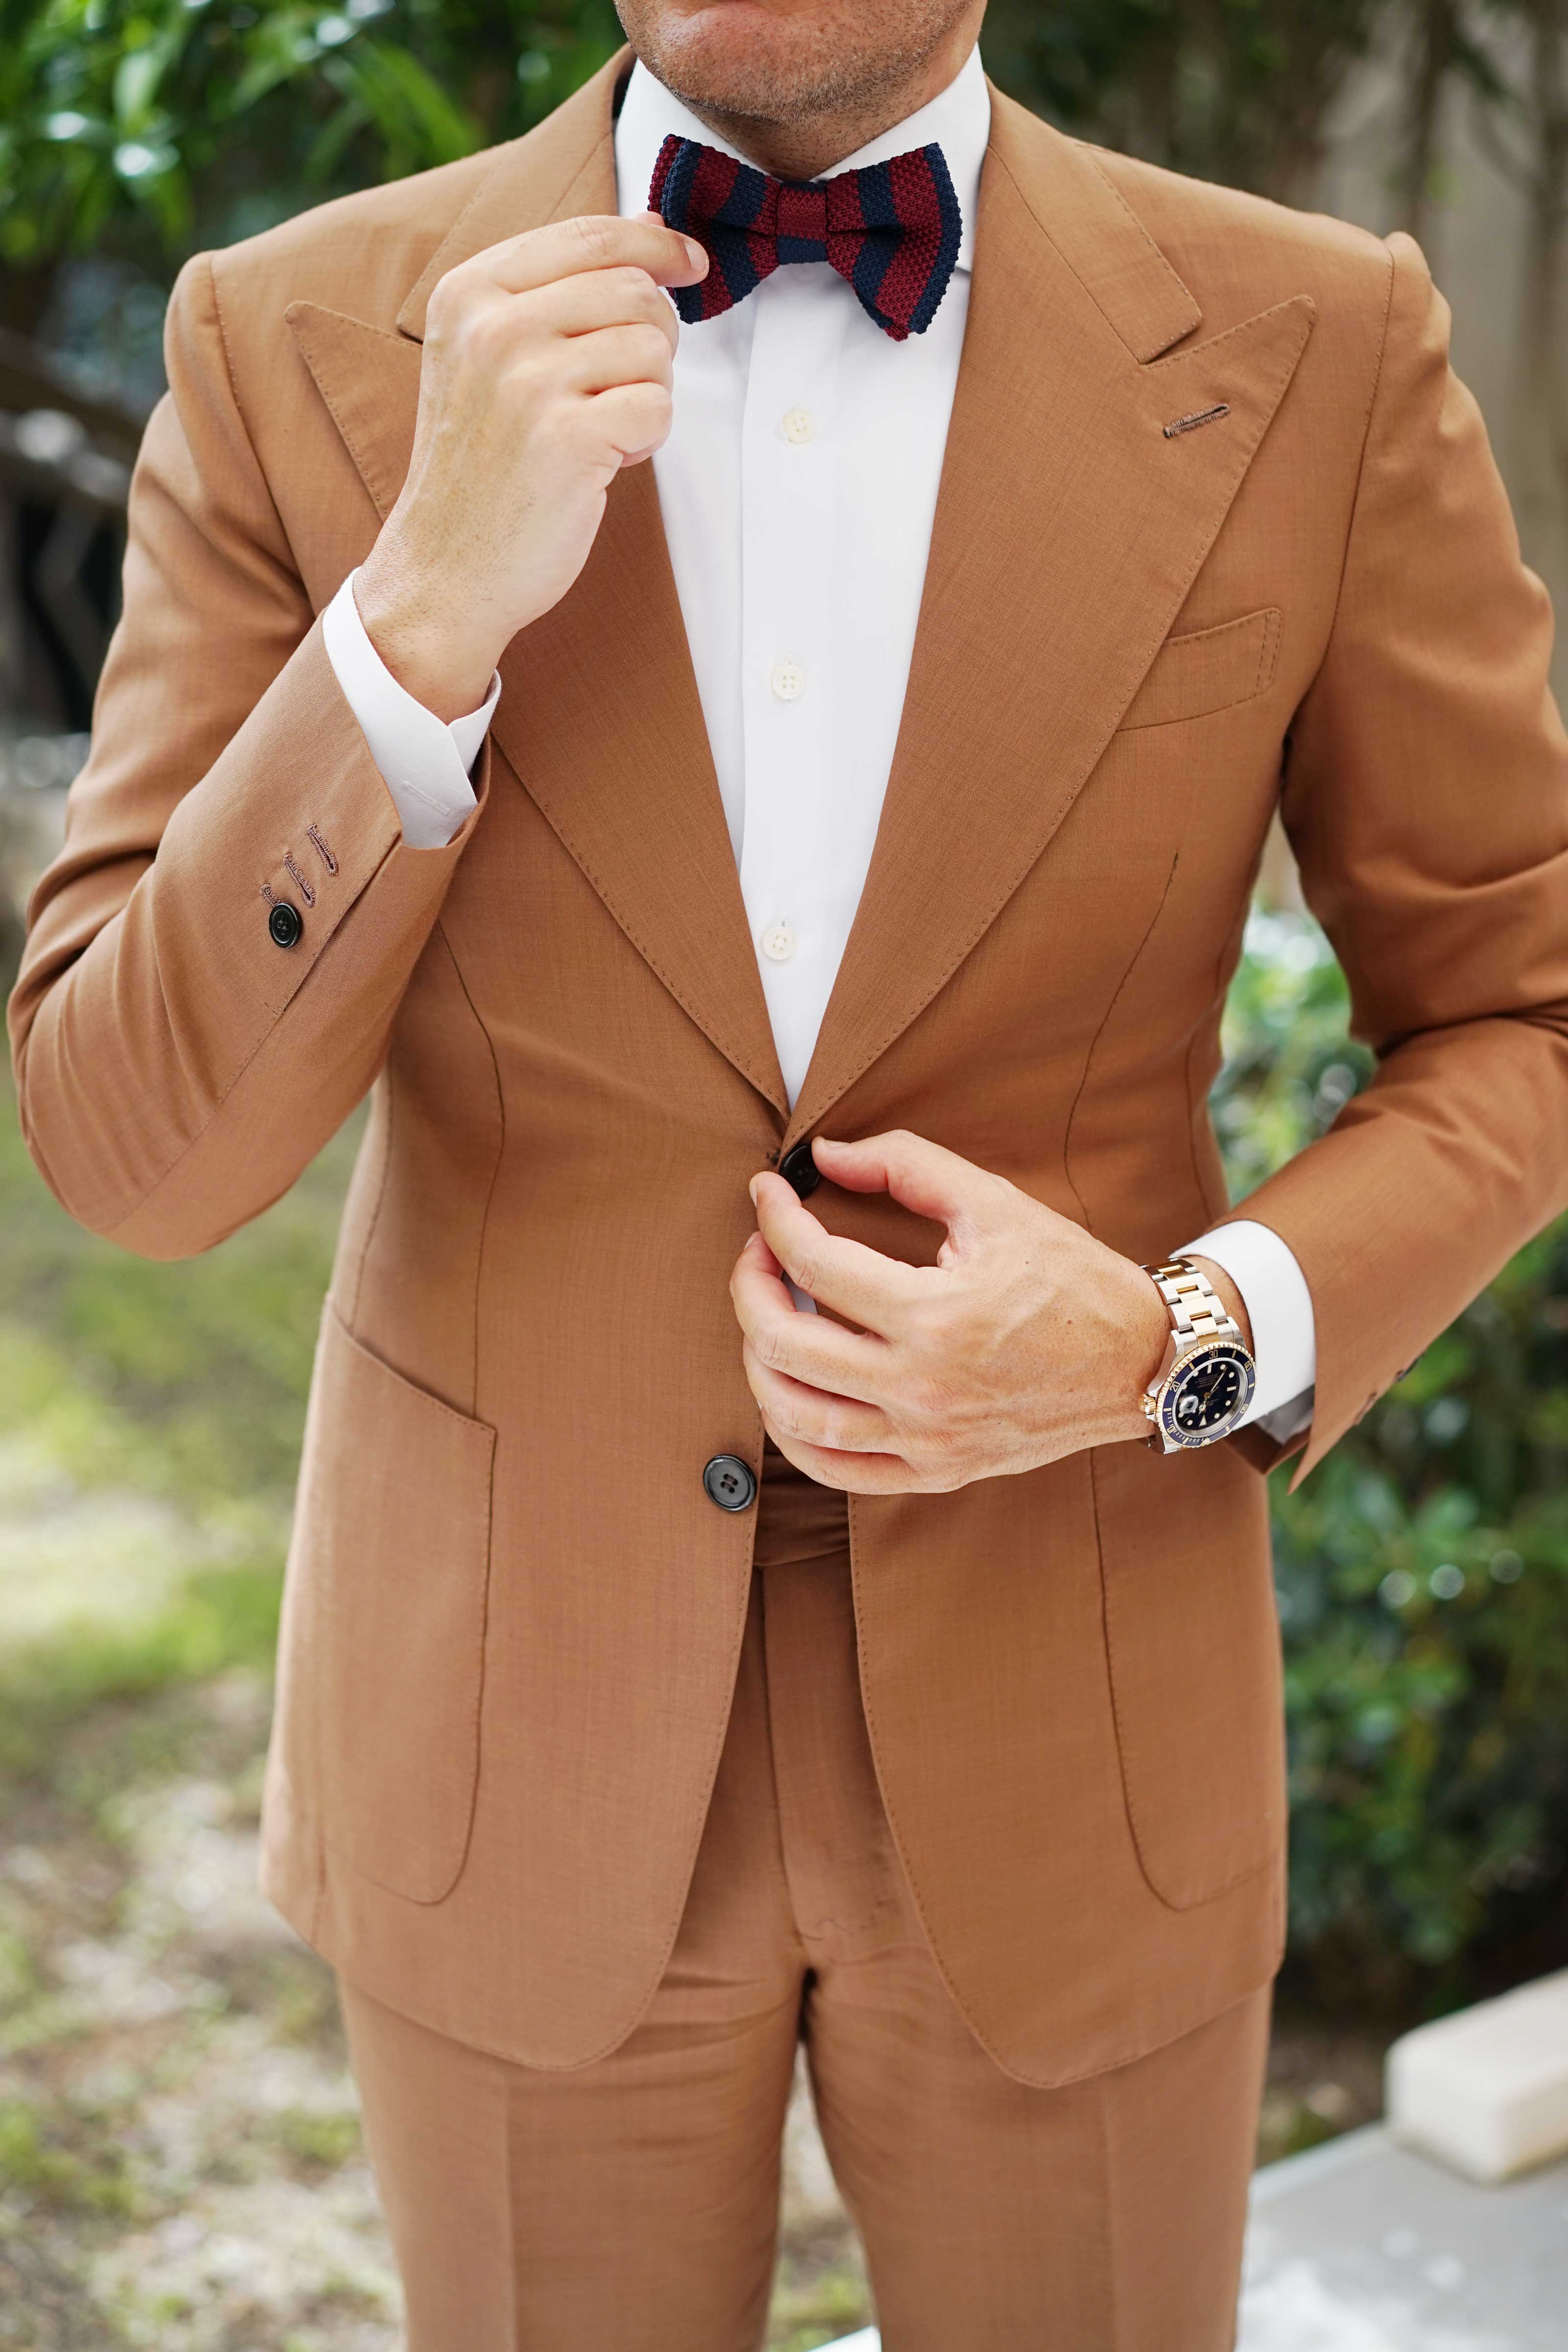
(958, 119)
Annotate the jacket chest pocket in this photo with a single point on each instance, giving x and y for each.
(381, 1664)
(1205, 670)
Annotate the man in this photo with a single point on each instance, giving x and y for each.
(654, 1694)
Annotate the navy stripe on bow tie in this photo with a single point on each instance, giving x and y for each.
(891, 229)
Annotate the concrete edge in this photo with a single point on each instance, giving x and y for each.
(1288, 2172)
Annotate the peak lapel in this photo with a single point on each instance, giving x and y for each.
(1068, 530)
(565, 166)
(369, 380)
(368, 375)
(599, 717)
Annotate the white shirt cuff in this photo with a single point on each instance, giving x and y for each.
(424, 762)
(1280, 1309)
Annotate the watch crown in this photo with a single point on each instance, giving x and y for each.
(1148, 1408)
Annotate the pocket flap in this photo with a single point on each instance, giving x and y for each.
(1208, 670)
(1194, 1644)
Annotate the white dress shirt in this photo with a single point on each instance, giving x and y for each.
(797, 491)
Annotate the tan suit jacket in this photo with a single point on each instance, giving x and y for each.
(512, 1614)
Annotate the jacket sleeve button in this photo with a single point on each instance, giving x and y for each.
(730, 1483)
(285, 923)
(799, 1169)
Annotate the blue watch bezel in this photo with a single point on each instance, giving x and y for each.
(1175, 1381)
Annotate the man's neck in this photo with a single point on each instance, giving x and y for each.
(812, 146)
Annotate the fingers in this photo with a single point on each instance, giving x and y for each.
(854, 1281)
(634, 418)
(605, 298)
(852, 1474)
(806, 1348)
(815, 1416)
(920, 1176)
(541, 256)
(617, 355)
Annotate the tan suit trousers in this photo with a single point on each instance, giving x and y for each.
(632, 2205)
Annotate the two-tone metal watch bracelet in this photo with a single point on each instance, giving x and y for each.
(1195, 1307)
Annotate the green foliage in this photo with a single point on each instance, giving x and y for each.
(149, 127)
(1423, 1576)
(36, 2167)
(217, 1618)
(186, 1380)
(1289, 1067)
(319, 2139)
(178, 1389)
(1235, 90)
(820, 2308)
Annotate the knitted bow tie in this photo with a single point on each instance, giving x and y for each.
(891, 229)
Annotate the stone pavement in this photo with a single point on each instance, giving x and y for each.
(1360, 2246)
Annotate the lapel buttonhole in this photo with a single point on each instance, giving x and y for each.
(1199, 416)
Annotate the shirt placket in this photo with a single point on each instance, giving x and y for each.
(788, 504)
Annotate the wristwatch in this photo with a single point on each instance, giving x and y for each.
(1206, 1377)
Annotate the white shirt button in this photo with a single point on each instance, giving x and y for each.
(788, 680)
(778, 943)
(799, 425)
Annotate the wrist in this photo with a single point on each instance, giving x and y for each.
(1145, 1330)
(408, 620)
(1149, 1339)
(1205, 1383)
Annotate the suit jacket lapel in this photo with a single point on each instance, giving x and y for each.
(1069, 530)
(599, 717)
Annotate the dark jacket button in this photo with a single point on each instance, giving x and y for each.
(799, 1169)
(730, 1483)
(285, 923)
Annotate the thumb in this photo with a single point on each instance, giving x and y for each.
(923, 1176)
(699, 259)
(677, 260)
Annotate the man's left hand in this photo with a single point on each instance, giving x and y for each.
(1026, 1340)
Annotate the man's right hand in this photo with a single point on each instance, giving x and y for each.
(547, 368)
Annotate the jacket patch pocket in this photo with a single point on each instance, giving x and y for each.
(381, 1660)
(1192, 1638)
(1208, 670)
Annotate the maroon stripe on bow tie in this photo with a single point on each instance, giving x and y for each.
(908, 274)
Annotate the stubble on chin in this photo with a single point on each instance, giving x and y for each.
(753, 65)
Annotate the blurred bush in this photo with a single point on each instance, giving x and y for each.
(157, 124)
(144, 128)
(1228, 89)
(1423, 1579)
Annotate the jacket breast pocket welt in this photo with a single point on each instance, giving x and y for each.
(1205, 670)
(382, 1652)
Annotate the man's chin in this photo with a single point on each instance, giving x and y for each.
(760, 63)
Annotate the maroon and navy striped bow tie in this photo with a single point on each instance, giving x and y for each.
(891, 229)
